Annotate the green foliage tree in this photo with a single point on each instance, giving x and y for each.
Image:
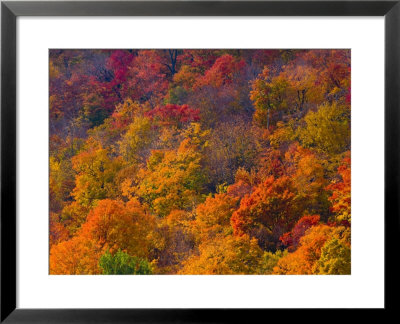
(122, 263)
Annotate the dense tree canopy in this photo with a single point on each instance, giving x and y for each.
(200, 161)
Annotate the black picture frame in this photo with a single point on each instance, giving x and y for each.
(11, 10)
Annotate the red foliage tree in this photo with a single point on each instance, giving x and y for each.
(291, 239)
(147, 77)
(174, 114)
(224, 70)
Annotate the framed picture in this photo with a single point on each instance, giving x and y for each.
(176, 161)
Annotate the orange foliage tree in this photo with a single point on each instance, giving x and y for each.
(314, 252)
(213, 216)
(341, 192)
(268, 212)
(110, 226)
(291, 239)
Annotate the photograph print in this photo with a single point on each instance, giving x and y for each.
(199, 161)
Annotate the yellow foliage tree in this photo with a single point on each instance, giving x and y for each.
(95, 174)
(73, 216)
(225, 255)
(174, 179)
(327, 130)
(61, 182)
(335, 258)
(135, 142)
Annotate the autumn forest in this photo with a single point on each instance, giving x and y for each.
(200, 161)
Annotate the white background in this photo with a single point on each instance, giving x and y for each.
(364, 288)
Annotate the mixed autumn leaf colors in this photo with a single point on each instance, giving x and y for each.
(200, 162)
